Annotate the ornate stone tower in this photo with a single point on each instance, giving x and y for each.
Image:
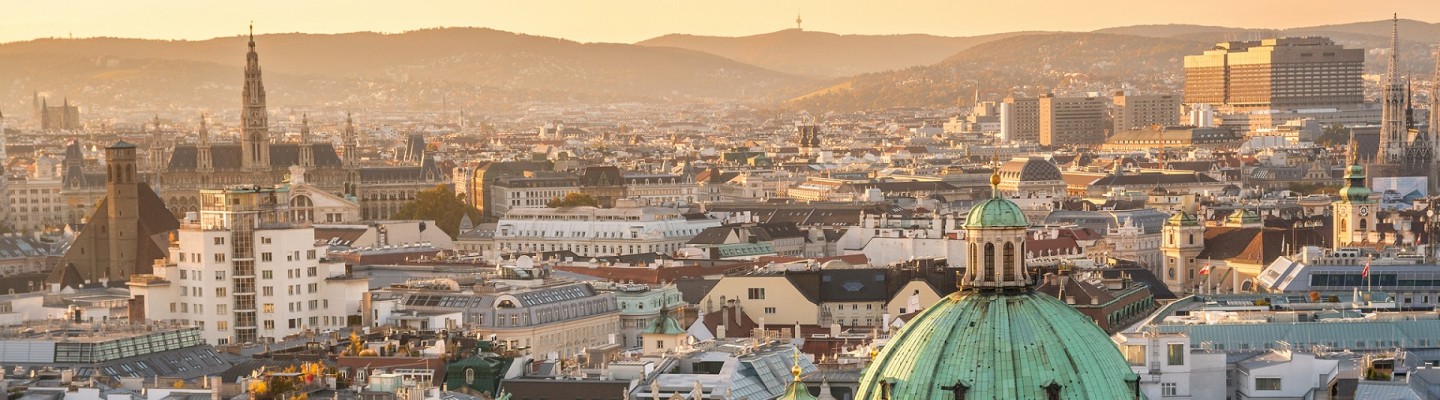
(156, 154)
(1355, 212)
(1394, 135)
(1183, 239)
(255, 138)
(203, 161)
(350, 143)
(307, 153)
(1435, 129)
(122, 190)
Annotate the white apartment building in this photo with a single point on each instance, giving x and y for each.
(628, 228)
(1170, 368)
(243, 273)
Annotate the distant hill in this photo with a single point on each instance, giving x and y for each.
(1033, 64)
(372, 67)
(828, 55)
(1166, 30)
(1417, 38)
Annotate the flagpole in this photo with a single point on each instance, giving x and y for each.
(1369, 283)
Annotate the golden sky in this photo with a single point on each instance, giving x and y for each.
(634, 20)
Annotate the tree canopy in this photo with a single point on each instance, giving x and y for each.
(441, 205)
(573, 199)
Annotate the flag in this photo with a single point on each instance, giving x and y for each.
(1205, 271)
(1365, 273)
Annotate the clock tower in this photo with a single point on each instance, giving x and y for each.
(1355, 212)
(255, 125)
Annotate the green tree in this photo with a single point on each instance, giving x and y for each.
(441, 205)
(573, 199)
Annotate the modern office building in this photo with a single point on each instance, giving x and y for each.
(1020, 119)
(1144, 111)
(1072, 121)
(1280, 74)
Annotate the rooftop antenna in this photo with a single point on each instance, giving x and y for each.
(798, 20)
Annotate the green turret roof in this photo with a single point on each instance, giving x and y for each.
(999, 346)
(665, 325)
(1355, 190)
(1182, 219)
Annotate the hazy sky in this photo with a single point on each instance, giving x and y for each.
(634, 20)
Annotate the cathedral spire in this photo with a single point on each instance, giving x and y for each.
(1394, 47)
(1393, 135)
(348, 142)
(304, 128)
(255, 124)
(204, 131)
(307, 152)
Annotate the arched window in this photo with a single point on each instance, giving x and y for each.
(1192, 238)
(1009, 262)
(1364, 224)
(990, 261)
(974, 266)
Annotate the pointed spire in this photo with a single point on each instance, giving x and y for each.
(1354, 155)
(204, 130)
(304, 128)
(157, 123)
(252, 35)
(1394, 46)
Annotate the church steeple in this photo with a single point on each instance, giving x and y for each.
(307, 153)
(1393, 133)
(255, 138)
(349, 142)
(203, 162)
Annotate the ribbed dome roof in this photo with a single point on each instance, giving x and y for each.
(996, 212)
(999, 346)
(1030, 169)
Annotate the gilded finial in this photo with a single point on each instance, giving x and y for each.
(995, 173)
(796, 369)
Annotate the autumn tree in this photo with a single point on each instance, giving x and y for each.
(573, 199)
(441, 205)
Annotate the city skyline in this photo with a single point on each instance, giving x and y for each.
(629, 22)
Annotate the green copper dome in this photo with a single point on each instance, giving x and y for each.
(1019, 345)
(996, 212)
(1355, 190)
(665, 325)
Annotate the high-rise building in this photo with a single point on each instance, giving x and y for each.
(1144, 111)
(1281, 74)
(243, 270)
(1020, 119)
(1067, 121)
